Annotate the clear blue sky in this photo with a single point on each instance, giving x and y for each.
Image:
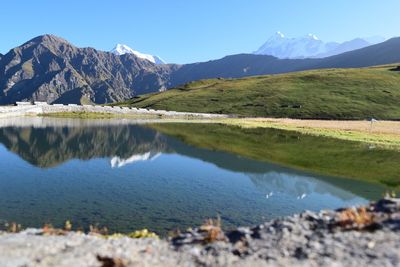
(184, 31)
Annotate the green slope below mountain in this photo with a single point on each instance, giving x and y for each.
(324, 94)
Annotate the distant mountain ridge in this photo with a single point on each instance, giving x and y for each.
(243, 65)
(49, 68)
(121, 49)
(310, 46)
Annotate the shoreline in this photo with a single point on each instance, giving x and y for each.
(346, 237)
(380, 133)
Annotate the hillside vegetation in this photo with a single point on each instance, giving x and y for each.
(326, 94)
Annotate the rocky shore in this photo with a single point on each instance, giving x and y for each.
(364, 236)
(22, 109)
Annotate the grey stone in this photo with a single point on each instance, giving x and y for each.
(281, 242)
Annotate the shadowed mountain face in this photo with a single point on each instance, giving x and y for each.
(48, 68)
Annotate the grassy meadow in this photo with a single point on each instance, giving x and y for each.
(340, 94)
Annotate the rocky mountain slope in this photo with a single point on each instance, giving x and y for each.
(48, 68)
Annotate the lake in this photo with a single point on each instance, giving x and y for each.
(128, 175)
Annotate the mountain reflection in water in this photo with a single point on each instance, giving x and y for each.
(130, 176)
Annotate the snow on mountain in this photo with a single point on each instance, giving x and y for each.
(339, 48)
(121, 49)
(283, 47)
(117, 162)
(310, 46)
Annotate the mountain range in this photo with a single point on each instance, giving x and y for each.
(310, 46)
(49, 68)
(243, 65)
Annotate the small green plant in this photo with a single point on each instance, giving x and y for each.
(68, 225)
(390, 194)
(142, 234)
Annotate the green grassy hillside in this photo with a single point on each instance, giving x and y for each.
(327, 93)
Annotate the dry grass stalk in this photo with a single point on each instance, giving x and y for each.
(213, 231)
(98, 231)
(356, 218)
(13, 227)
(48, 229)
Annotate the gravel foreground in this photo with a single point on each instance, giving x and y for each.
(368, 236)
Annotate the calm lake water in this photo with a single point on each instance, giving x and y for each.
(130, 176)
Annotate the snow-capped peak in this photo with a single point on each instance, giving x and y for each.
(279, 34)
(310, 46)
(121, 49)
(312, 36)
